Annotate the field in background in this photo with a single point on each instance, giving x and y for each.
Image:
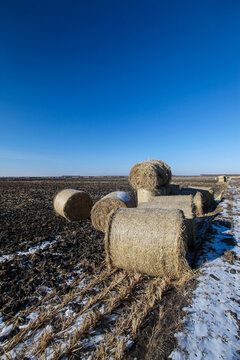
(57, 297)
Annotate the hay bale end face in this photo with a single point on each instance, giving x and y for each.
(205, 202)
(150, 175)
(147, 195)
(102, 210)
(147, 240)
(198, 202)
(222, 179)
(73, 205)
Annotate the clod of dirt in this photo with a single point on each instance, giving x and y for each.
(214, 277)
(229, 256)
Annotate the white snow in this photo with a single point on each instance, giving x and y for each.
(123, 196)
(210, 326)
(71, 278)
(5, 330)
(14, 353)
(32, 316)
(30, 250)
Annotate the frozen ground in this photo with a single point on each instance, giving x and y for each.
(211, 326)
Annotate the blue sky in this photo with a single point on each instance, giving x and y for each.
(92, 87)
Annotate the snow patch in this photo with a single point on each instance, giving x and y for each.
(123, 196)
(5, 330)
(29, 252)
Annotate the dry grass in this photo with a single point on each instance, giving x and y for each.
(132, 296)
(94, 316)
(129, 323)
(45, 339)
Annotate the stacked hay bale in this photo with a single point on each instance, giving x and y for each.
(222, 179)
(203, 198)
(198, 202)
(101, 211)
(73, 205)
(182, 202)
(144, 195)
(148, 240)
(208, 195)
(150, 178)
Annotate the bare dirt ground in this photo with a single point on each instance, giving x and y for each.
(57, 299)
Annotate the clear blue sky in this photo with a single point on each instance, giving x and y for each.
(92, 87)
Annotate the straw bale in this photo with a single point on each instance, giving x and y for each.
(208, 201)
(198, 202)
(148, 240)
(101, 211)
(181, 202)
(72, 204)
(208, 194)
(147, 195)
(222, 179)
(150, 175)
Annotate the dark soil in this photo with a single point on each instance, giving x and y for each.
(27, 219)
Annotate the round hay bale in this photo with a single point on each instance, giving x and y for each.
(222, 179)
(102, 210)
(208, 201)
(73, 205)
(147, 195)
(150, 175)
(146, 240)
(198, 202)
(182, 202)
